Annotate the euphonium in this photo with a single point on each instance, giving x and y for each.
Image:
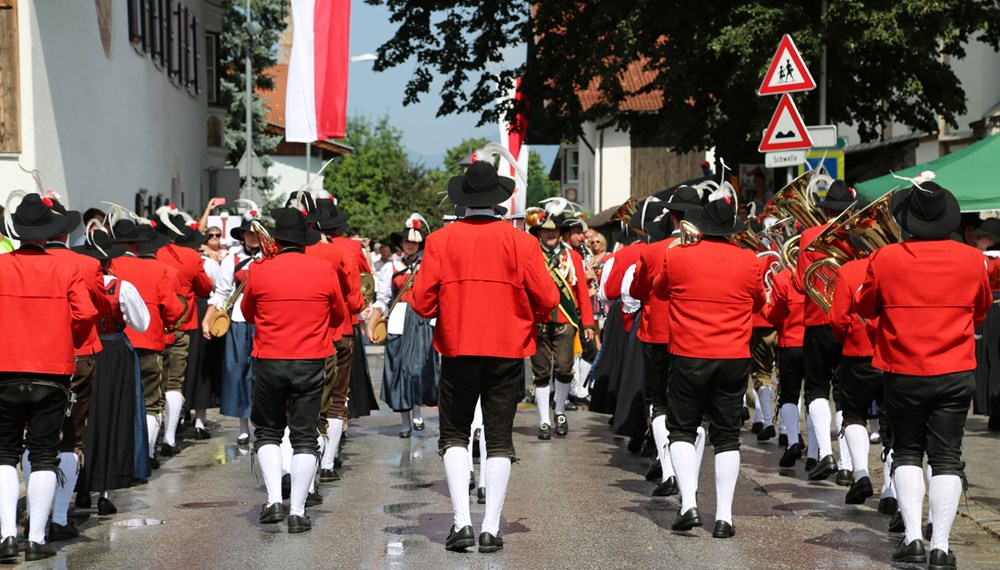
(689, 234)
(218, 324)
(797, 200)
(790, 251)
(367, 288)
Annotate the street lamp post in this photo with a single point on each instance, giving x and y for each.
(253, 30)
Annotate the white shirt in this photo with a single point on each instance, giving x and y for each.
(133, 307)
(224, 285)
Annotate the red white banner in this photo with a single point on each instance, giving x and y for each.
(512, 139)
(316, 100)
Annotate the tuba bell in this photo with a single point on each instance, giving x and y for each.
(797, 200)
(689, 234)
(533, 216)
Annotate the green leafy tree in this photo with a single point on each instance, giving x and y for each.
(887, 60)
(539, 185)
(270, 14)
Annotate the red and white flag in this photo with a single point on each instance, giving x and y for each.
(316, 100)
(512, 139)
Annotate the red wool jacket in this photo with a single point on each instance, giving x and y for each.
(46, 312)
(929, 295)
(786, 311)
(581, 292)
(194, 282)
(93, 278)
(294, 300)
(714, 288)
(654, 325)
(847, 327)
(156, 283)
(485, 281)
(624, 259)
(352, 249)
(813, 313)
(347, 276)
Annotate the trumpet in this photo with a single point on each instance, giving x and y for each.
(218, 324)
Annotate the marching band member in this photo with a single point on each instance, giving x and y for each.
(929, 293)
(484, 281)
(411, 370)
(294, 300)
(47, 315)
(714, 287)
(787, 313)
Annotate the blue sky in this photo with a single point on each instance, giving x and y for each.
(426, 136)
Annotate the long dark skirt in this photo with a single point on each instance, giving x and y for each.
(987, 400)
(204, 367)
(607, 371)
(361, 400)
(631, 410)
(236, 392)
(111, 435)
(412, 369)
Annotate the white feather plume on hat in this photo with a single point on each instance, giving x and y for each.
(163, 214)
(253, 211)
(413, 225)
(491, 148)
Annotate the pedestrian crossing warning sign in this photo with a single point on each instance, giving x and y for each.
(787, 73)
(787, 130)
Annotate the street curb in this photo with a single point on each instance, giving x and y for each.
(984, 518)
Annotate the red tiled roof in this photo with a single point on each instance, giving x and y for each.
(276, 96)
(633, 79)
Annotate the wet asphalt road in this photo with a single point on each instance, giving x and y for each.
(578, 502)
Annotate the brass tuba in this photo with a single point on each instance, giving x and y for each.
(218, 325)
(797, 200)
(848, 237)
(689, 234)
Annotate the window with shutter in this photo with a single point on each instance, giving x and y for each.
(10, 112)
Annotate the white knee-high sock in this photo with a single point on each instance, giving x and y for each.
(812, 447)
(10, 488)
(579, 388)
(199, 418)
(542, 401)
(417, 416)
(303, 471)
(153, 430)
(819, 412)
(456, 470)
(334, 430)
(269, 457)
(481, 481)
(41, 491)
(497, 478)
(562, 392)
(727, 471)
(699, 450)
(910, 494)
(858, 445)
(173, 406)
(70, 466)
(321, 442)
(662, 438)
(790, 422)
(766, 411)
(845, 454)
(244, 426)
(757, 414)
(286, 452)
(888, 489)
(684, 458)
(945, 491)
(929, 473)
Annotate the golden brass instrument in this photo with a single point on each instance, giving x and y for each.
(689, 234)
(847, 238)
(625, 212)
(218, 324)
(533, 216)
(798, 201)
(790, 251)
(749, 239)
(367, 288)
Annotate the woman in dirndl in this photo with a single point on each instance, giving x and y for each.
(412, 369)
(115, 436)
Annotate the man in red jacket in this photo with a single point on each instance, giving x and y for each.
(929, 293)
(46, 314)
(714, 287)
(295, 301)
(557, 330)
(485, 282)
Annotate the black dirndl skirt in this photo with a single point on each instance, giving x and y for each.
(607, 371)
(987, 398)
(631, 410)
(361, 398)
(412, 369)
(204, 371)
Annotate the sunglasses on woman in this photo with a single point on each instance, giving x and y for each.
(215, 235)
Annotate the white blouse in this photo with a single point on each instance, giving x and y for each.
(133, 307)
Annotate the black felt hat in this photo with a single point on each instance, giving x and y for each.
(127, 231)
(839, 197)
(100, 246)
(989, 228)
(74, 217)
(480, 186)
(655, 221)
(154, 240)
(551, 222)
(304, 200)
(683, 199)
(928, 211)
(35, 219)
(717, 218)
(290, 225)
(335, 218)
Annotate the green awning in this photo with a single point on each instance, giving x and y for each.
(972, 174)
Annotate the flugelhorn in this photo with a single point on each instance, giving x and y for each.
(218, 324)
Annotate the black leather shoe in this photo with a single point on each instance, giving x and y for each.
(328, 475)
(783, 440)
(337, 463)
(154, 463)
(860, 490)
(59, 532)
(489, 543)
(286, 486)
(928, 531)
(723, 530)
(271, 514)
(888, 505)
(404, 434)
(459, 540)
(313, 499)
(571, 407)
(688, 520)
(202, 433)
(666, 488)
(941, 560)
(744, 414)
(36, 551)
(562, 427)
(757, 427)
(418, 425)
(243, 440)
(83, 501)
(896, 522)
(826, 467)
(8, 550)
(105, 507)
(655, 472)
(545, 431)
(790, 456)
(481, 495)
(297, 524)
(472, 480)
(913, 552)
(811, 463)
(766, 434)
(845, 478)
(167, 450)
